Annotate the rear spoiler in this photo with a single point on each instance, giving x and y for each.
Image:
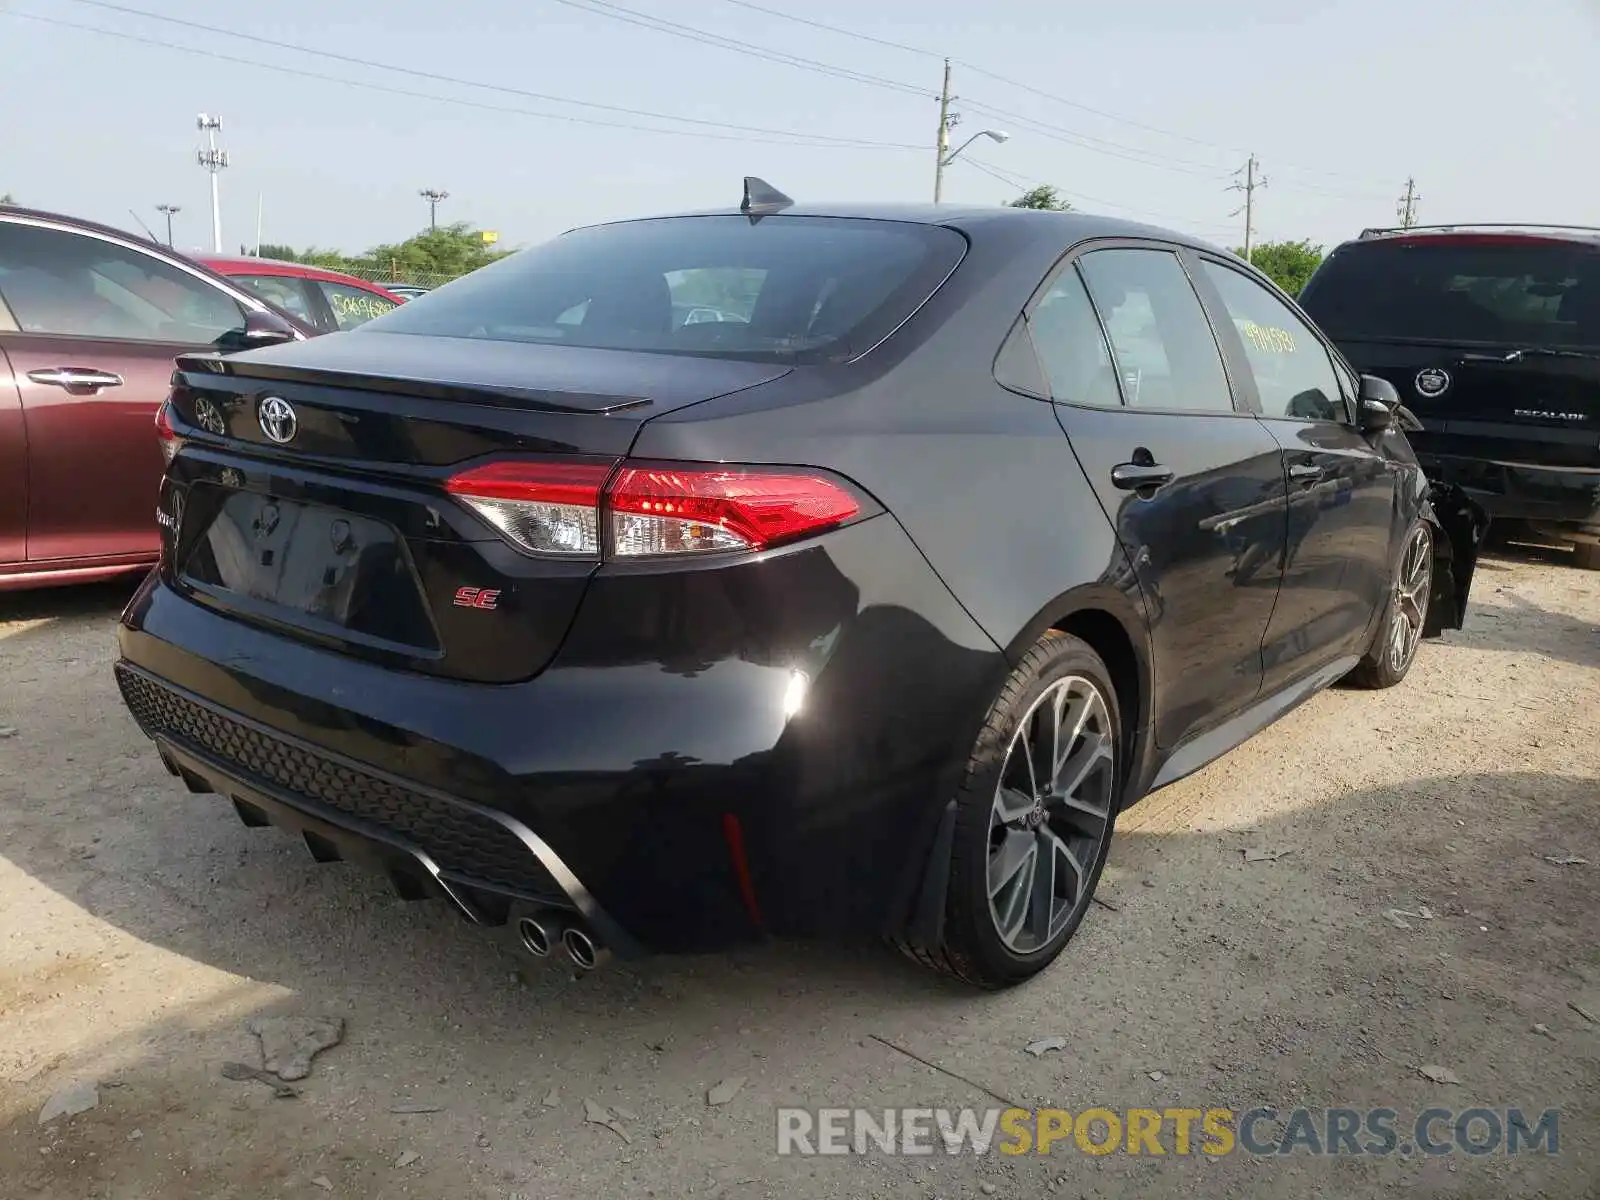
(1488, 227)
(489, 394)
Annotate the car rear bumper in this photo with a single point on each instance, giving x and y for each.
(1523, 491)
(679, 789)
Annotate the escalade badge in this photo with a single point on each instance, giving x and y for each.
(277, 419)
(1433, 381)
(1544, 414)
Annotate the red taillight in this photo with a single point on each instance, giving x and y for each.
(165, 434)
(682, 509)
(653, 509)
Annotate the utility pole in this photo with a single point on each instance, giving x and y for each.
(168, 210)
(433, 196)
(213, 160)
(1406, 207)
(1252, 180)
(941, 144)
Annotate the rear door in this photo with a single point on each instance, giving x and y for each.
(99, 324)
(1492, 339)
(1341, 522)
(1193, 485)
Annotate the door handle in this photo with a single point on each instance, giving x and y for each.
(1132, 477)
(76, 377)
(1305, 472)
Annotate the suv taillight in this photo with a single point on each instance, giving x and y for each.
(165, 434)
(651, 510)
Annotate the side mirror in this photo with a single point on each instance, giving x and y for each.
(1377, 402)
(269, 329)
(260, 329)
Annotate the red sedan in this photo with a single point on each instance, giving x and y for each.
(90, 321)
(327, 300)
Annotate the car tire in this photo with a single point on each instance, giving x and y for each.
(1394, 645)
(1056, 716)
(1586, 556)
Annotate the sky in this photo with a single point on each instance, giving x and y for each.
(1141, 108)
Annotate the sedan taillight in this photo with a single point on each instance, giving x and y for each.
(649, 510)
(165, 434)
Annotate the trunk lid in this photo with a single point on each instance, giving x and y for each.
(309, 495)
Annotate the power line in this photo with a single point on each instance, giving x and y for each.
(473, 83)
(603, 8)
(804, 140)
(860, 37)
(1023, 182)
(1096, 145)
(976, 70)
(606, 8)
(1040, 92)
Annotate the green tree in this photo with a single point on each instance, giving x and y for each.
(1042, 197)
(6, 198)
(449, 250)
(1287, 264)
(282, 253)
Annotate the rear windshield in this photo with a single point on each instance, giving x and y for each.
(1506, 291)
(783, 287)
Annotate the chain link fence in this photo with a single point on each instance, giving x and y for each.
(399, 273)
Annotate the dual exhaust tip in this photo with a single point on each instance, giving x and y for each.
(540, 935)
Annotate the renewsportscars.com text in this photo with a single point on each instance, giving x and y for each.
(1262, 1132)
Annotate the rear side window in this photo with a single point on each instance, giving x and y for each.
(780, 288)
(1495, 289)
(1165, 353)
(353, 306)
(1071, 346)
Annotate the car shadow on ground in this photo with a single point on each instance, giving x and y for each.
(92, 601)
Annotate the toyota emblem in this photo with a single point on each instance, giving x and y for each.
(277, 419)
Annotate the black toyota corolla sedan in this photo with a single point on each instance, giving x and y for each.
(862, 606)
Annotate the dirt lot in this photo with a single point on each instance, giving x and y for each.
(141, 928)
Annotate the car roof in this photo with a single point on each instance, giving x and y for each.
(54, 218)
(1060, 228)
(230, 264)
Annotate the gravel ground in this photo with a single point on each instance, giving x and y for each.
(141, 929)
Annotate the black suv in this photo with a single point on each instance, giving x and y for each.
(1492, 336)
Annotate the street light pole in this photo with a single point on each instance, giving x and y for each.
(433, 196)
(169, 210)
(213, 160)
(946, 159)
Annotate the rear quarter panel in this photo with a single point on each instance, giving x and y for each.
(981, 478)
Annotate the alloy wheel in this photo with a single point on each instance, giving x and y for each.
(1051, 813)
(1413, 586)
